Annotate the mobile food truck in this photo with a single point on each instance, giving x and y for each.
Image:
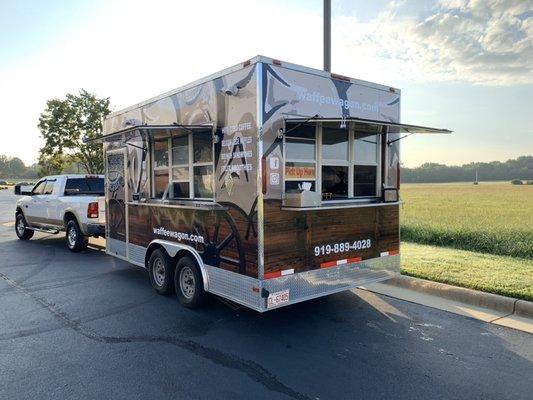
(267, 184)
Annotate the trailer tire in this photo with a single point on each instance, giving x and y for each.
(76, 240)
(21, 228)
(188, 283)
(161, 267)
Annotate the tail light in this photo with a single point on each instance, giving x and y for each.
(92, 210)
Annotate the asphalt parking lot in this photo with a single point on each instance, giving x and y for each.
(90, 326)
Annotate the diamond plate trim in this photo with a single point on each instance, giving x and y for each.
(115, 247)
(235, 287)
(136, 253)
(321, 282)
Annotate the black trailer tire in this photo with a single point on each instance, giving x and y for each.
(189, 283)
(21, 228)
(161, 267)
(76, 240)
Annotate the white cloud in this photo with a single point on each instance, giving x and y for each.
(486, 42)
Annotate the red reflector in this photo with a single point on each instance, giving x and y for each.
(270, 275)
(255, 289)
(355, 259)
(328, 264)
(92, 210)
(394, 252)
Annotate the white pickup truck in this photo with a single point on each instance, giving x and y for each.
(73, 204)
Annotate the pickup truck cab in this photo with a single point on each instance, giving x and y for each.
(73, 204)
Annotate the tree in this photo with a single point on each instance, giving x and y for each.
(16, 167)
(64, 124)
(52, 164)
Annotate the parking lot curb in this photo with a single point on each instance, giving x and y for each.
(476, 298)
(524, 308)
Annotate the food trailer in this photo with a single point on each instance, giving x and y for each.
(267, 184)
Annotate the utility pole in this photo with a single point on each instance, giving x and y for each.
(327, 35)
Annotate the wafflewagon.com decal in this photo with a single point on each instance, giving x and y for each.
(178, 235)
(319, 98)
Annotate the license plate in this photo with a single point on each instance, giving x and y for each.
(277, 298)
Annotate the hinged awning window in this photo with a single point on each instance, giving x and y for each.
(158, 131)
(369, 125)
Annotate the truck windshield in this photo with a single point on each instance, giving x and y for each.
(80, 186)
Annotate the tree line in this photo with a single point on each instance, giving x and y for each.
(519, 168)
(14, 168)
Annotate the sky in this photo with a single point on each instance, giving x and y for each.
(465, 65)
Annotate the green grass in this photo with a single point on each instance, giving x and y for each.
(495, 218)
(507, 276)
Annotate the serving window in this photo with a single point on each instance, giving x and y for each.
(183, 165)
(339, 163)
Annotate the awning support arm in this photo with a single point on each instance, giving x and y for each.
(134, 145)
(183, 127)
(389, 142)
(301, 123)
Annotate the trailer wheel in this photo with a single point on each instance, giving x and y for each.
(21, 228)
(188, 283)
(161, 268)
(76, 240)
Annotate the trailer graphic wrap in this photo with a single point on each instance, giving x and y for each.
(221, 237)
(229, 105)
(279, 182)
(302, 241)
(225, 235)
(318, 239)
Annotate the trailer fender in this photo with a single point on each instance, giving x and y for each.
(173, 249)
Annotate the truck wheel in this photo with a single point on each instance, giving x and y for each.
(189, 283)
(76, 240)
(161, 268)
(21, 228)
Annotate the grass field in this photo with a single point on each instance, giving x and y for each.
(507, 276)
(495, 218)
